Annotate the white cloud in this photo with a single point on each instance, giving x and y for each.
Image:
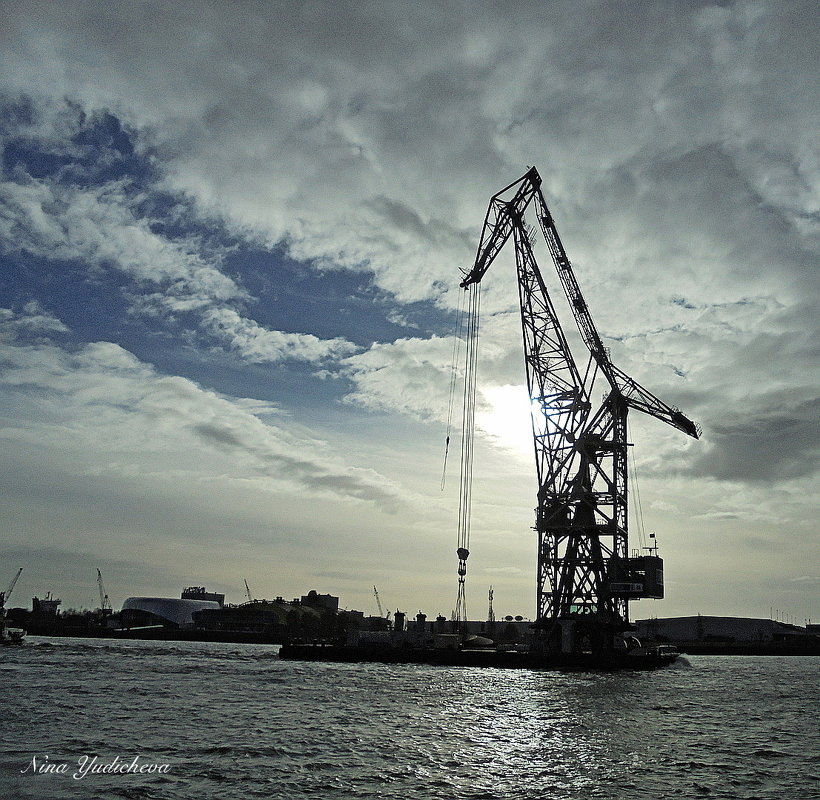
(106, 406)
(411, 376)
(34, 320)
(256, 343)
(99, 228)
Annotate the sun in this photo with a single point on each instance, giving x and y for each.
(504, 417)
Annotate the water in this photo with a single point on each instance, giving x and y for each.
(232, 721)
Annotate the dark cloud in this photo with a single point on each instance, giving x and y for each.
(217, 434)
(776, 445)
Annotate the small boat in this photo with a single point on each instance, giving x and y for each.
(11, 636)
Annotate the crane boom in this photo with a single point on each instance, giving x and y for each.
(499, 221)
(5, 595)
(585, 577)
(502, 218)
(635, 395)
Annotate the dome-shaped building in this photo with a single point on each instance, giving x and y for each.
(138, 612)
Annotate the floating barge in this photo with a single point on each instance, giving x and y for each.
(639, 659)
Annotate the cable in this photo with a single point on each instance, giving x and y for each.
(636, 493)
(467, 443)
(458, 332)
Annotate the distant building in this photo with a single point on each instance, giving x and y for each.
(259, 616)
(502, 630)
(716, 629)
(313, 617)
(170, 612)
(315, 600)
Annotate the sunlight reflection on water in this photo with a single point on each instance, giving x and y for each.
(234, 721)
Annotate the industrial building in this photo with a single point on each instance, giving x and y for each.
(718, 629)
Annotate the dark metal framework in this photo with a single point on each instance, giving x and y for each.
(585, 575)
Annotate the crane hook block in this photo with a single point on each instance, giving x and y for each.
(462, 553)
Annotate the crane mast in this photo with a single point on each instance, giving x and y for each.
(585, 575)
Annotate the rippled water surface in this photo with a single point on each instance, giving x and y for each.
(232, 721)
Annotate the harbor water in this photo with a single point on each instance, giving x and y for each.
(81, 717)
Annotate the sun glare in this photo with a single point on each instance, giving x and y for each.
(505, 418)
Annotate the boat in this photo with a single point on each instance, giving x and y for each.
(12, 636)
(9, 635)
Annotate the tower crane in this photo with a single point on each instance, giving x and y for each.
(105, 603)
(5, 595)
(586, 577)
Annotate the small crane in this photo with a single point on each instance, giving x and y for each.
(105, 603)
(248, 591)
(379, 603)
(5, 595)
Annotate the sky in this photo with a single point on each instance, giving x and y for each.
(231, 238)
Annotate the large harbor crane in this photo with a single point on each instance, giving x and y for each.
(586, 576)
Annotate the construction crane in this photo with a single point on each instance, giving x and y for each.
(586, 576)
(378, 601)
(5, 595)
(105, 603)
(248, 592)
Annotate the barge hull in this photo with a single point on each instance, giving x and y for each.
(573, 662)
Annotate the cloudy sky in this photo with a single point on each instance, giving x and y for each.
(230, 241)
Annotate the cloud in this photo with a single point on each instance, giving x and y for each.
(411, 376)
(34, 320)
(100, 402)
(101, 229)
(775, 444)
(259, 344)
(98, 226)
